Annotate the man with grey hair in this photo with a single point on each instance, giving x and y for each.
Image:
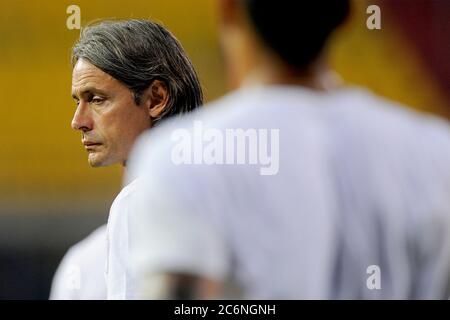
(127, 77)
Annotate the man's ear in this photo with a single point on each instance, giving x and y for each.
(227, 12)
(156, 98)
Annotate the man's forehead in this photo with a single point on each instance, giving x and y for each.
(84, 70)
(87, 77)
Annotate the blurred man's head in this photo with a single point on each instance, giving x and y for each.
(277, 39)
(128, 76)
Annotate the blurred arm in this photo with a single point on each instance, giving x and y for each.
(174, 286)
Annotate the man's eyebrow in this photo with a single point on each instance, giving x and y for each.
(88, 90)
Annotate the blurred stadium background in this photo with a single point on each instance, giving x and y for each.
(50, 198)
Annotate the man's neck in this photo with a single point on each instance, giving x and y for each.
(268, 69)
(320, 79)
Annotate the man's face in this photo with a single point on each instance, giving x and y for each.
(106, 114)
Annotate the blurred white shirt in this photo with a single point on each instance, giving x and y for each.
(81, 273)
(362, 184)
(119, 281)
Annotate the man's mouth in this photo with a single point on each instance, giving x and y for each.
(90, 145)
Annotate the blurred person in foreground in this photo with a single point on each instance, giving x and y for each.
(291, 186)
(128, 76)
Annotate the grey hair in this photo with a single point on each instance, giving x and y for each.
(137, 52)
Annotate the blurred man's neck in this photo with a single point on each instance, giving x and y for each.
(272, 72)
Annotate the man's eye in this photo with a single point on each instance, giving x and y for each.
(97, 100)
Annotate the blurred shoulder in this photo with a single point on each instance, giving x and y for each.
(88, 248)
(358, 110)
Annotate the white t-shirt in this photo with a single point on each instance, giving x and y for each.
(119, 281)
(81, 273)
(358, 208)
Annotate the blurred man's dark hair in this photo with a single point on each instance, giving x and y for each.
(296, 30)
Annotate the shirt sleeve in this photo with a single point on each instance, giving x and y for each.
(168, 237)
(80, 275)
(66, 282)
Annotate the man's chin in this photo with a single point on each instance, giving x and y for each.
(95, 161)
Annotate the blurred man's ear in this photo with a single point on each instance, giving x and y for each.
(227, 11)
(156, 98)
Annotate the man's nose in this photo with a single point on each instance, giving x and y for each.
(82, 119)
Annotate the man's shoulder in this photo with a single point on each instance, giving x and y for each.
(241, 109)
(375, 117)
(358, 119)
(85, 259)
(126, 192)
(94, 245)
